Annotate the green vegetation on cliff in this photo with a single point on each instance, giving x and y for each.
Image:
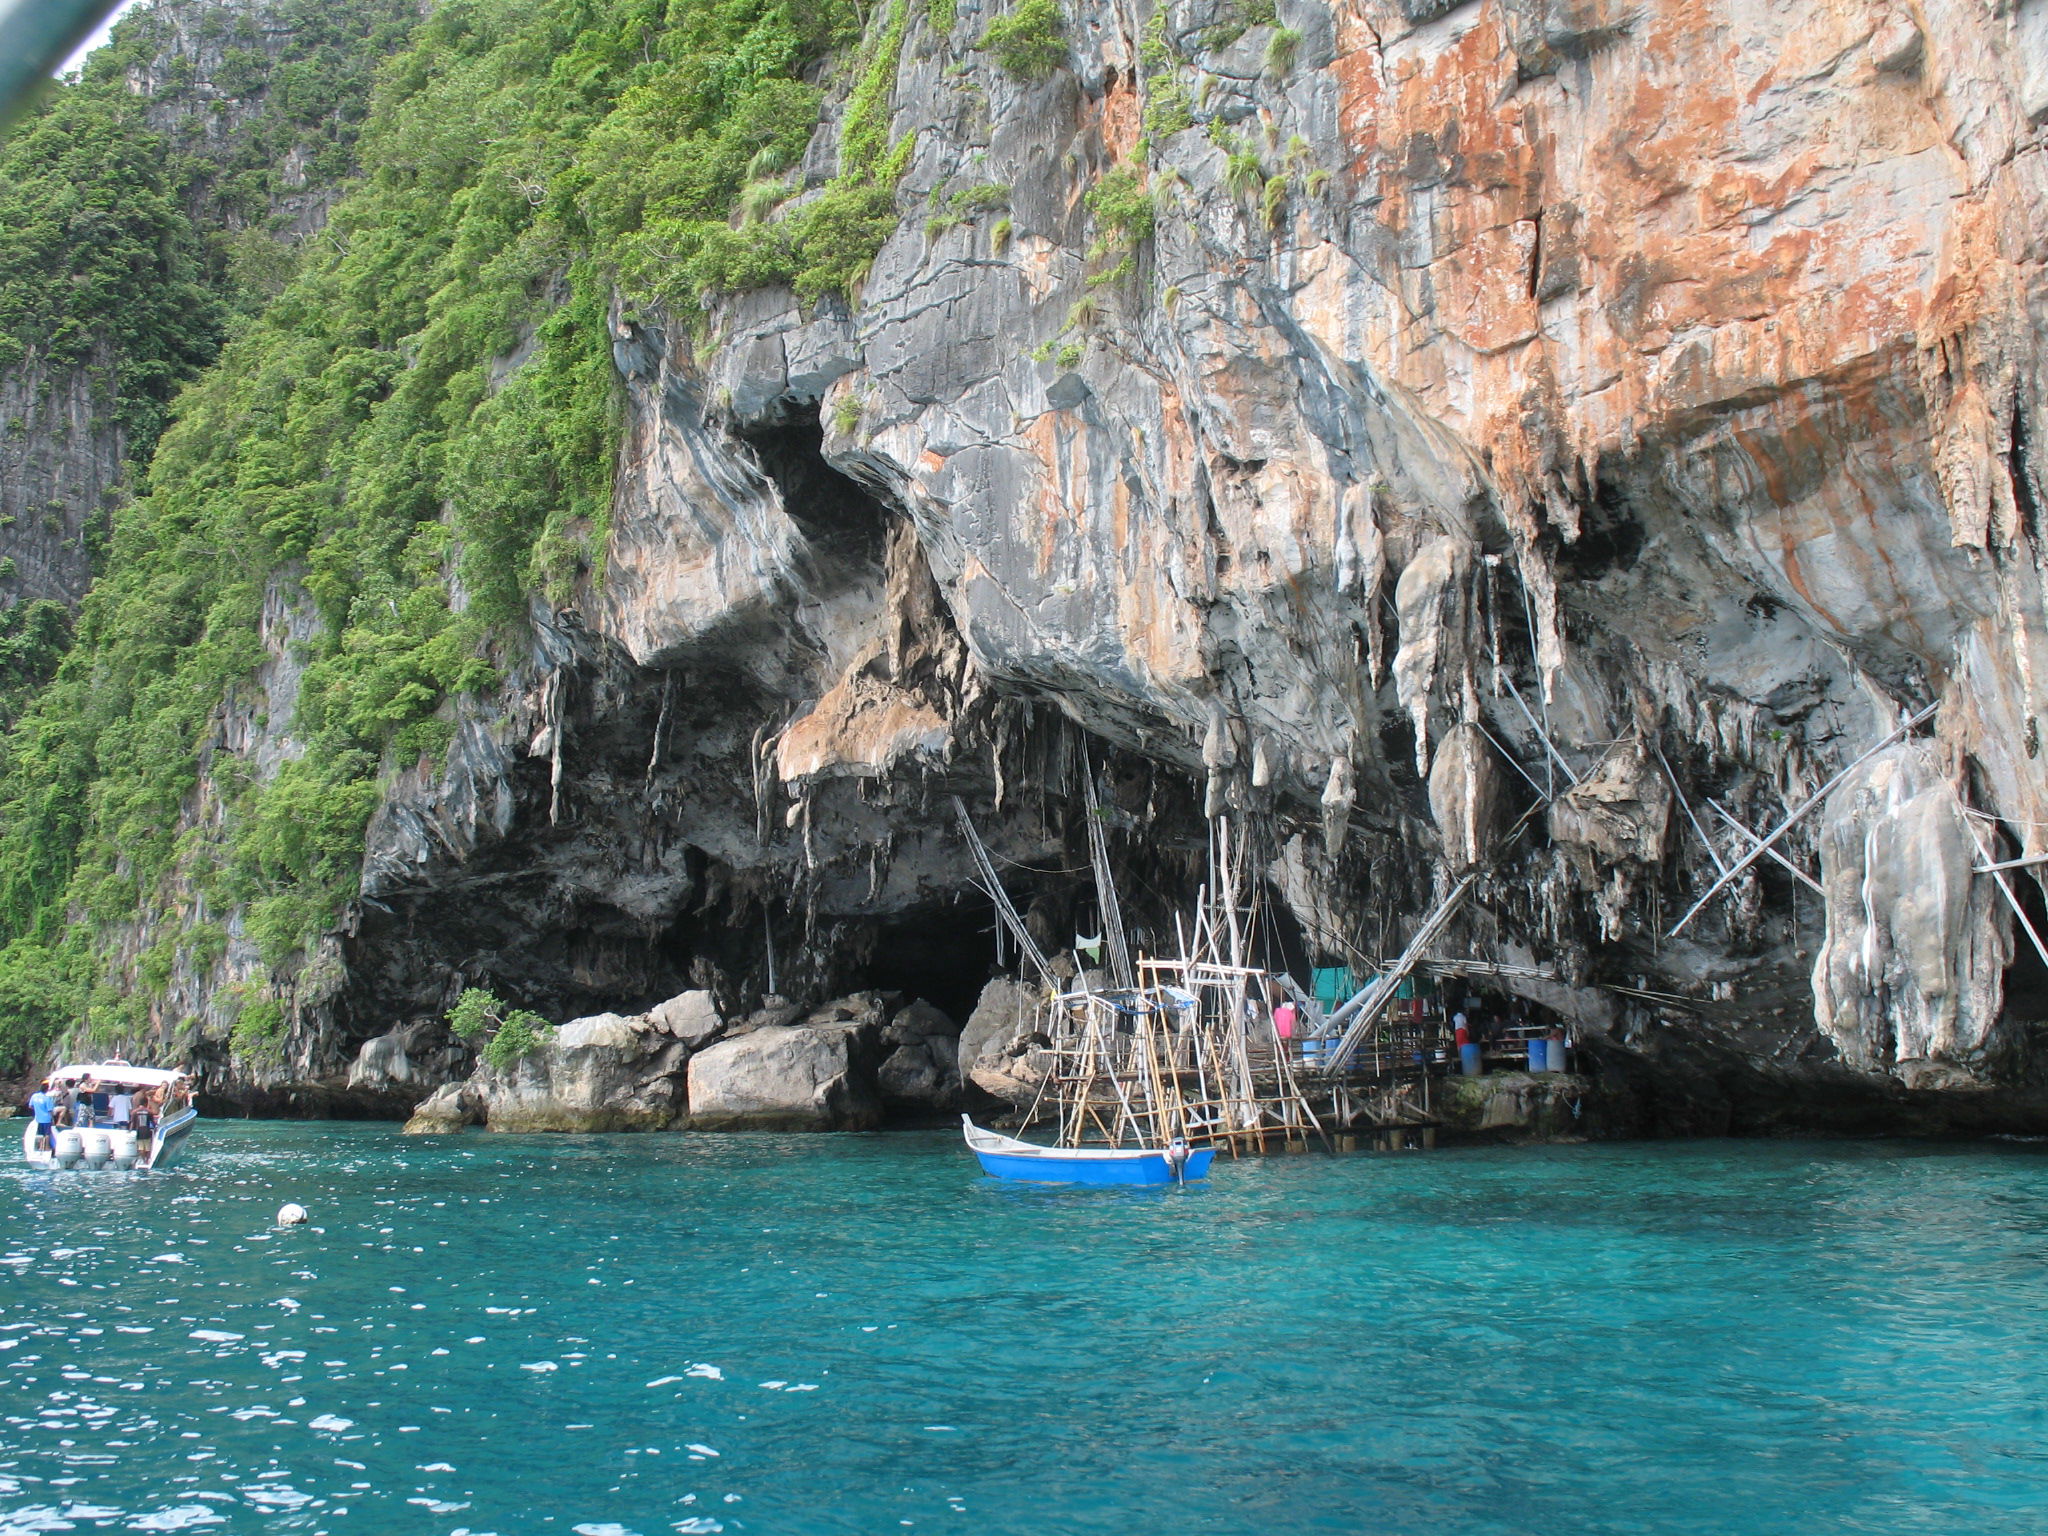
(136, 202)
(405, 449)
(98, 262)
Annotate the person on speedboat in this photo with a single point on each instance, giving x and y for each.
(120, 1108)
(42, 1104)
(142, 1117)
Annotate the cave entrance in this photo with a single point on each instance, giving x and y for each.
(836, 513)
(944, 955)
(1281, 943)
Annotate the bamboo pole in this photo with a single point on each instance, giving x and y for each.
(1106, 900)
(1720, 864)
(1363, 1008)
(993, 886)
(2027, 862)
(2005, 888)
(1765, 844)
(1750, 837)
(1541, 734)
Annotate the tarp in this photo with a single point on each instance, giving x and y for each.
(1333, 984)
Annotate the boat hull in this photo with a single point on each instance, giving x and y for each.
(157, 1152)
(1136, 1168)
(170, 1139)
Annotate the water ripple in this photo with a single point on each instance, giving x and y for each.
(856, 1334)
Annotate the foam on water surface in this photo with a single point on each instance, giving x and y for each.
(1702, 1338)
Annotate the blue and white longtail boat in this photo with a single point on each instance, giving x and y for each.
(1005, 1157)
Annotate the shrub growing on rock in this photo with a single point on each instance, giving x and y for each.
(507, 1036)
(1030, 42)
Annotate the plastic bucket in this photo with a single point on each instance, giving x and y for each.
(1468, 1060)
(1553, 1055)
(1539, 1055)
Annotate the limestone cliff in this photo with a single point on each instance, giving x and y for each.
(204, 143)
(1302, 415)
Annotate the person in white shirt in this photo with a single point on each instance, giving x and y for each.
(119, 1108)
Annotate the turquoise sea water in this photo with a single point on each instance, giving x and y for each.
(859, 1334)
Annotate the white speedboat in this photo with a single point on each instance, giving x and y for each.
(153, 1136)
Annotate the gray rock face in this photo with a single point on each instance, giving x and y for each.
(919, 1078)
(690, 1018)
(818, 1077)
(603, 1073)
(1908, 978)
(450, 1108)
(408, 1058)
(997, 1050)
(1425, 418)
(60, 455)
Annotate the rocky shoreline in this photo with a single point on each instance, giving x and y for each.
(882, 1060)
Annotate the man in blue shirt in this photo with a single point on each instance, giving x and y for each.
(43, 1105)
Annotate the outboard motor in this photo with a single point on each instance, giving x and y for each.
(98, 1147)
(1177, 1152)
(70, 1148)
(123, 1143)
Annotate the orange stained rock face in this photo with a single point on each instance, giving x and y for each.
(1117, 116)
(1714, 203)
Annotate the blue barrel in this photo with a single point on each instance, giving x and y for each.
(1554, 1056)
(1539, 1055)
(1468, 1060)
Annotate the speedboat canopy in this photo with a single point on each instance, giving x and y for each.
(118, 1072)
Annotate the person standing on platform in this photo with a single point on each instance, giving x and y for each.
(42, 1104)
(1283, 1019)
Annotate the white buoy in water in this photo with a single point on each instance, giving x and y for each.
(290, 1215)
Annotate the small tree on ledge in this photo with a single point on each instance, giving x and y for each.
(507, 1036)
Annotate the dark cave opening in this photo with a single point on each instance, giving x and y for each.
(1611, 535)
(944, 955)
(837, 515)
(1282, 944)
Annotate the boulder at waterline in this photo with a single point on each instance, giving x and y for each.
(811, 1077)
(998, 1051)
(1524, 1106)
(451, 1107)
(920, 1076)
(603, 1073)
